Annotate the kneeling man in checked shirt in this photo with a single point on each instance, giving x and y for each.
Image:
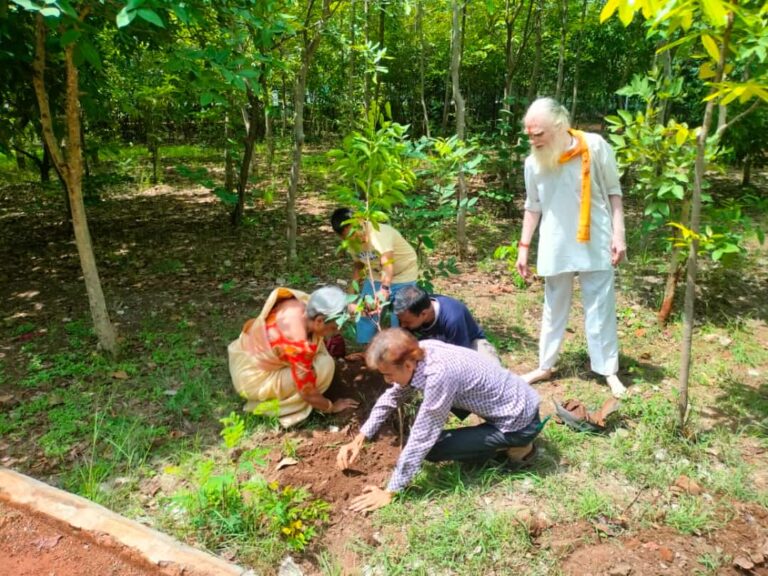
(451, 379)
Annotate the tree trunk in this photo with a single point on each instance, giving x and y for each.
(698, 181)
(284, 115)
(561, 50)
(298, 143)
(746, 171)
(71, 170)
(382, 15)
(576, 67)
(367, 75)
(45, 169)
(251, 128)
(533, 87)
(269, 126)
(422, 56)
(674, 271)
(229, 164)
(461, 188)
(352, 77)
(307, 54)
(446, 102)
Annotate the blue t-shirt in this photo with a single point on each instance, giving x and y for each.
(454, 324)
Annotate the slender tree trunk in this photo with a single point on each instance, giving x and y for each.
(153, 144)
(269, 128)
(71, 169)
(284, 115)
(456, 43)
(352, 77)
(251, 129)
(577, 67)
(366, 76)
(533, 87)
(422, 56)
(298, 141)
(561, 50)
(674, 271)
(446, 103)
(229, 164)
(45, 169)
(746, 171)
(690, 284)
(382, 20)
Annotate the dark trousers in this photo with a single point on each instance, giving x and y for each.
(482, 442)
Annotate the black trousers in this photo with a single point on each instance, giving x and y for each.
(482, 442)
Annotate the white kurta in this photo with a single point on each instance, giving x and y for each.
(557, 196)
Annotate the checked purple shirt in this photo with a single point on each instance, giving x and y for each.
(450, 376)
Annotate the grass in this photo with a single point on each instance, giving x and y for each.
(456, 534)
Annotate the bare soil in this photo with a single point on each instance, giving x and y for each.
(35, 545)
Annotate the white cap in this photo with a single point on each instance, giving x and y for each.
(328, 301)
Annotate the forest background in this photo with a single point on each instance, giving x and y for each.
(238, 125)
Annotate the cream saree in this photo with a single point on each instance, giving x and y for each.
(260, 376)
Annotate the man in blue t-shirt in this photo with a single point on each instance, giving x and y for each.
(440, 317)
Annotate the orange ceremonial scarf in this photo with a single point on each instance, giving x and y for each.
(581, 149)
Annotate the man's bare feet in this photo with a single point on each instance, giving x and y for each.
(617, 388)
(537, 375)
(520, 453)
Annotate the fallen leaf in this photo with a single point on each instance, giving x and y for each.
(6, 399)
(743, 563)
(757, 557)
(687, 485)
(640, 332)
(621, 569)
(285, 462)
(47, 543)
(666, 554)
(120, 375)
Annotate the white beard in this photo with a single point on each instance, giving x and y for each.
(548, 157)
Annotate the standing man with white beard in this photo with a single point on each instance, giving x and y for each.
(572, 187)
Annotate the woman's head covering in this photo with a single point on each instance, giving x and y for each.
(328, 301)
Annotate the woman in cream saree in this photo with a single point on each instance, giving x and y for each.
(279, 362)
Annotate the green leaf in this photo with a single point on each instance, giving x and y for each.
(125, 17)
(27, 5)
(151, 17)
(711, 47)
(50, 11)
(66, 7)
(608, 10)
(716, 12)
(206, 98)
(181, 13)
(89, 54)
(70, 36)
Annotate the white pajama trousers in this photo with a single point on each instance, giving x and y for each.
(599, 301)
